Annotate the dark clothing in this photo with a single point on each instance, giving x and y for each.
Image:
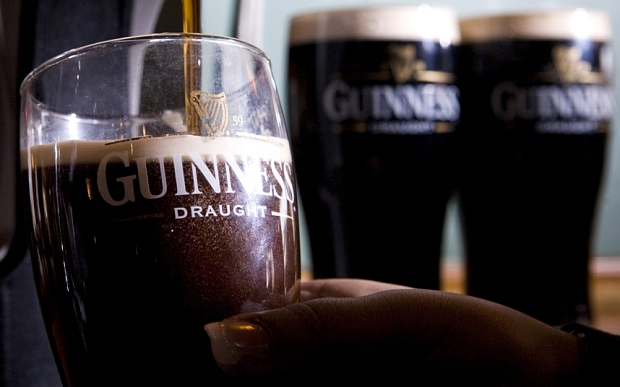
(601, 354)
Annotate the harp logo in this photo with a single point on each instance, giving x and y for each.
(212, 110)
(403, 62)
(568, 67)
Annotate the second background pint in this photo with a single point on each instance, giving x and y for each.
(537, 105)
(372, 108)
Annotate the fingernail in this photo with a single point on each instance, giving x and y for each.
(232, 340)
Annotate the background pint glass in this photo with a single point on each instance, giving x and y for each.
(161, 197)
(372, 108)
(536, 111)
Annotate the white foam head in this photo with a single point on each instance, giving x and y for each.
(566, 24)
(68, 151)
(409, 23)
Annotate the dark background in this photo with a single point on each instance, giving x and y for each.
(32, 31)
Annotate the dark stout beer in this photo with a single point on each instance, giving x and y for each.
(536, 110)
(372, 106)
(152, 239)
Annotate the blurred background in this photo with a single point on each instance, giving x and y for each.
(32, 31)
(277, 15)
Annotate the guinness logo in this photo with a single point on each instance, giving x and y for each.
(403, 62)
(405, 66)
(212, 110)
(568, 67)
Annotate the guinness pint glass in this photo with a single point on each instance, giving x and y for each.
(372, 107)
(536, 111)
(161, 197)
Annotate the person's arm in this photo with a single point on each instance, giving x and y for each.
(355, 330)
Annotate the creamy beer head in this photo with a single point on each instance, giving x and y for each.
(377, 23)
(65, 152)
(543, 25)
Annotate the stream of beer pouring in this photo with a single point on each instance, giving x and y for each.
(191, 24)
(248, 26)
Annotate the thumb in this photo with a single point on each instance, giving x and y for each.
(316, 333)
(320, 334)
(392, 334)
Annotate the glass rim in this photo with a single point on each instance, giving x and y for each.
(404, 22)
(562, 23)
(156, 37)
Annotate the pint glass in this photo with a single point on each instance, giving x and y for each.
(536, 111)
(372, 107)
(161, 197)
